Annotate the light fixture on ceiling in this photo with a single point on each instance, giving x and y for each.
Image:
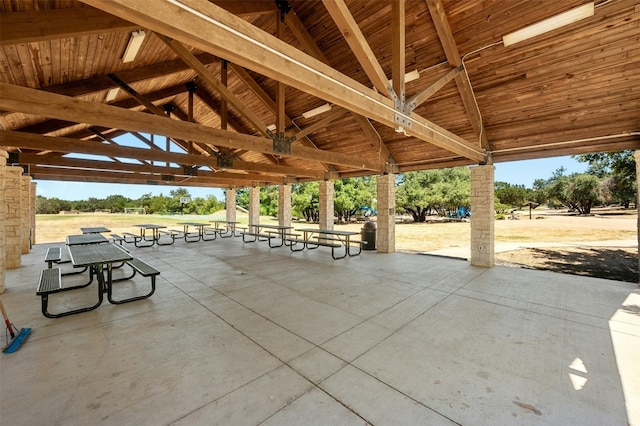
(317, 111)
(271, 127)
(111, 94)
(135, 41)
(549, 24)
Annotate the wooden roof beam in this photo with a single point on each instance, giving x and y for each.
(76, 163)
(439, 17)
(358, 43)
(67, 145)
(209, 28)
(16, 98)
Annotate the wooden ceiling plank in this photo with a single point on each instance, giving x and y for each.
(353, 36)
(208, 76)
(52, 24)
(209, 28)
(436, 9)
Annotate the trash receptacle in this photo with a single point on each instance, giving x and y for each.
(368, 234)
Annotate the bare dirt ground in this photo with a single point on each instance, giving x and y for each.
(552, 240)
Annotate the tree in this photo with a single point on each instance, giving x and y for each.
(305, 201)
(620, 167)
(578, 191)
(442, 191)
(511, 195)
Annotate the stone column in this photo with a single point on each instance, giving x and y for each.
(284, 205)
(25, 213)
(3, 220)
(33, 211)
(482, 216)
(637, 155)
(254, 207)
(386, 228)
(326, 204)
(230, 204)
(13, 216)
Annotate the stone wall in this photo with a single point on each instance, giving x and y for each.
(3, 220)
(13, 216)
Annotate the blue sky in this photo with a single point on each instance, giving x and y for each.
(514, 172)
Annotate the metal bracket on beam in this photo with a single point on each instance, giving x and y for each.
(402, 109)
(283, 7)
(190, 170)
(281, 143)
(224, 160)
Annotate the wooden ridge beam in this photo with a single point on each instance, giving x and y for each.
(16, 98)
(205, 26)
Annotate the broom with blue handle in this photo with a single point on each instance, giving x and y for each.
(16, 339)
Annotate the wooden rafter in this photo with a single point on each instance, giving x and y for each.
(436, 9)
(358, 43)
(422, 96)
(397, 48)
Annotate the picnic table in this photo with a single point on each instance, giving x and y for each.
(226, 228)
(95, 230)
(202, 231)
(313, 238)
(86, 239)
(99, 258)
(257, 231)
(155, 235)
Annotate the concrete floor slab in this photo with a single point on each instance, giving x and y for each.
(243, 334)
